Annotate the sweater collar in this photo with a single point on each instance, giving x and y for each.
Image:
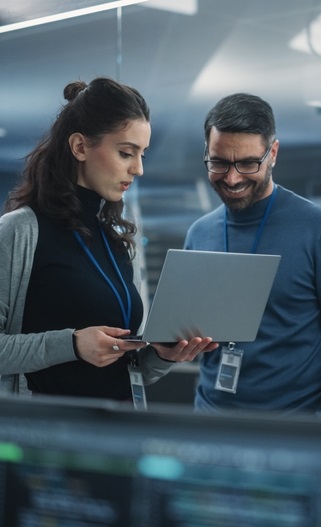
(254, 212)
(90, 202)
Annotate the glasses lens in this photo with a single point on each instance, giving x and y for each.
(248, 167)
(218, 167)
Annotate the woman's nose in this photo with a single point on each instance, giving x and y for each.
(137, 168)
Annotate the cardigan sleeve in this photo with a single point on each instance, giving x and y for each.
(152, 366)
(22, 353)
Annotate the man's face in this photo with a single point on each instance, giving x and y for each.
(239, 191)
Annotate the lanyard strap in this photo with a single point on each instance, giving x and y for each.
(260, 227)
(126, 313)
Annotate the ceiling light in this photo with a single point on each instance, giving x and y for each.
(316, 104)
(187, 7)
(69, 14)
(309, 39)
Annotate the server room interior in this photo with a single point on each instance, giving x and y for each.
(164, 467)
(183, 56)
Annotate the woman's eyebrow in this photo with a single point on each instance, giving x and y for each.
(133, 145)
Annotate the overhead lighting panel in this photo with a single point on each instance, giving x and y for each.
(69, 14)
(309, 39)
(187, 7)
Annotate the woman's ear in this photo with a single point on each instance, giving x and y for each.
(78, 146)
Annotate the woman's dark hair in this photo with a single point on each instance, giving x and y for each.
(242, 113)
(49, 178)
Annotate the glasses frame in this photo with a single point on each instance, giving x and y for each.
(230, 163)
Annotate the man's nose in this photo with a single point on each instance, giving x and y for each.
(233, 176)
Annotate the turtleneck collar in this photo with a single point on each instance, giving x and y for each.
(255, 212)
(90, 201)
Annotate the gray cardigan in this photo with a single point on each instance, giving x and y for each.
(23, 353)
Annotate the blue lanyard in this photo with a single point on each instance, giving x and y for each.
(260, 227)
(126, 314)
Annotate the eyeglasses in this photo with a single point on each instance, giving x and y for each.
(219, 166)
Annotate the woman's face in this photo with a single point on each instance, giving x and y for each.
(109, 167)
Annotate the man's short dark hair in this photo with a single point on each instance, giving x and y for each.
(242, 113)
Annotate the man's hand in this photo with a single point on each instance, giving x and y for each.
(185, 350)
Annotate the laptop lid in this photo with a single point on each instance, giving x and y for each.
(210, 294)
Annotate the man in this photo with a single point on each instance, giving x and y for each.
(281, 370)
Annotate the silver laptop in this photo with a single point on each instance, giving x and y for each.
(210, 294)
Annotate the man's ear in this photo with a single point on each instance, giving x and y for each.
(274, 151)
(77, 145)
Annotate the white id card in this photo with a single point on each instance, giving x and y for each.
(138, 389)
(229, 368)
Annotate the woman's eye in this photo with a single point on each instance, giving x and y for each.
(125, 155)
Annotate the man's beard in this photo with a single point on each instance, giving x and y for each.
(258, 190)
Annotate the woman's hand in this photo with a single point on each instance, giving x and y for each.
(100, 346)
(185, 350)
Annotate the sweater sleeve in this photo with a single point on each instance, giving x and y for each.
(22, 353)
(34, 351)
(151, 365)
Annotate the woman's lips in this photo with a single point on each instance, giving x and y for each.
(125, 185)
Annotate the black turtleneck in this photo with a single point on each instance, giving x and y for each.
(67, 291)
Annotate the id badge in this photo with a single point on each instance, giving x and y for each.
(137, 387)
(229, 368)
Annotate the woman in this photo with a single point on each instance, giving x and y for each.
(66, 274)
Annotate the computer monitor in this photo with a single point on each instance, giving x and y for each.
(67, 463)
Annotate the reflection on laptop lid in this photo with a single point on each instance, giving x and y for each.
(210, 294)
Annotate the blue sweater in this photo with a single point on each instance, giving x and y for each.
(281, 370)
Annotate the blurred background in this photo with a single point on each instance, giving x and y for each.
(183, 55)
